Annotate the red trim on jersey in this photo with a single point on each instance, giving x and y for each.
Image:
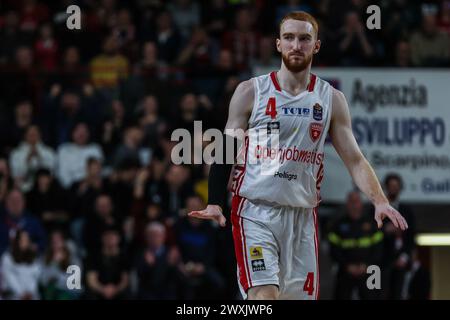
(237, 204)
(273, 76)
(312, 82)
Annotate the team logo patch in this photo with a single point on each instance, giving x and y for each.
(257, 259)
(315, 129)
(317, 112)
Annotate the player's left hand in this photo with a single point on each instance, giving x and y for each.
(386, 210)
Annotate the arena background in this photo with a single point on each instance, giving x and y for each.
(86, 118)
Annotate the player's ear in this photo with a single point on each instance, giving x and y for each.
(317, 46)
(278, 45)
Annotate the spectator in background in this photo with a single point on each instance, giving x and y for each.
(10, 37)
(46, 48)
(125, 32)
(176, 188)
(102, 217)
(267, 58)
(85, 191)
(107, 275)
(429, 46)
(48, 201)
(355, 244)
(354, 45)
(403, 54)
(149, 120)
(33, 14)
(110, 67)
(166, 37)
(215, 15)
(19, 81)
(30, 156)
(186, 14)
(444, 19)
(399, 17)
(131, 148)
(193, 108)
(289, 6)
(149, 66)
(6, 181)
(15, 217)
(20, 269)
(53, 279)
(113, 128)
(417, 281)
(242, 40)
(198, 56)
(398, 246)
(62, 111)
(82, 197)
(157, 266)
(150, 213)
(72, 74)
(72, 157)
(13, 130)
(196, 241)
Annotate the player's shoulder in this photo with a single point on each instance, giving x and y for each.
(244, 94)
(338, 97)
(246, 88)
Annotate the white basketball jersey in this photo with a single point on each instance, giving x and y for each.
(281, 161)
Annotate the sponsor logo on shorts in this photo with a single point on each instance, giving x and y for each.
(256, 253)
(258, 265)
(257, 259)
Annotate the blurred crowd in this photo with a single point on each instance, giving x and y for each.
(86, 118)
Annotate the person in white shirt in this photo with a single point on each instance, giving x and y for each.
(30, 156)
(72, 156)
(21, 269)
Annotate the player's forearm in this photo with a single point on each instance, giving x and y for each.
(365, 178)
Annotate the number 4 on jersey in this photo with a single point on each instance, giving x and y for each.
(271, 109)
(309, 283)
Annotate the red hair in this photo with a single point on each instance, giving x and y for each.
(301, 16)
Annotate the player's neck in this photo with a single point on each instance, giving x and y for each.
(293, 83)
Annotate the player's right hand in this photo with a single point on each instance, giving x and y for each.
(212, 212)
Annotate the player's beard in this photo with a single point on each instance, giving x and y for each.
(296, 67)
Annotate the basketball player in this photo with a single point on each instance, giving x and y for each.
(274, 216)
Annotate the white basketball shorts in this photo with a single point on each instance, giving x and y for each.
(276, 245)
